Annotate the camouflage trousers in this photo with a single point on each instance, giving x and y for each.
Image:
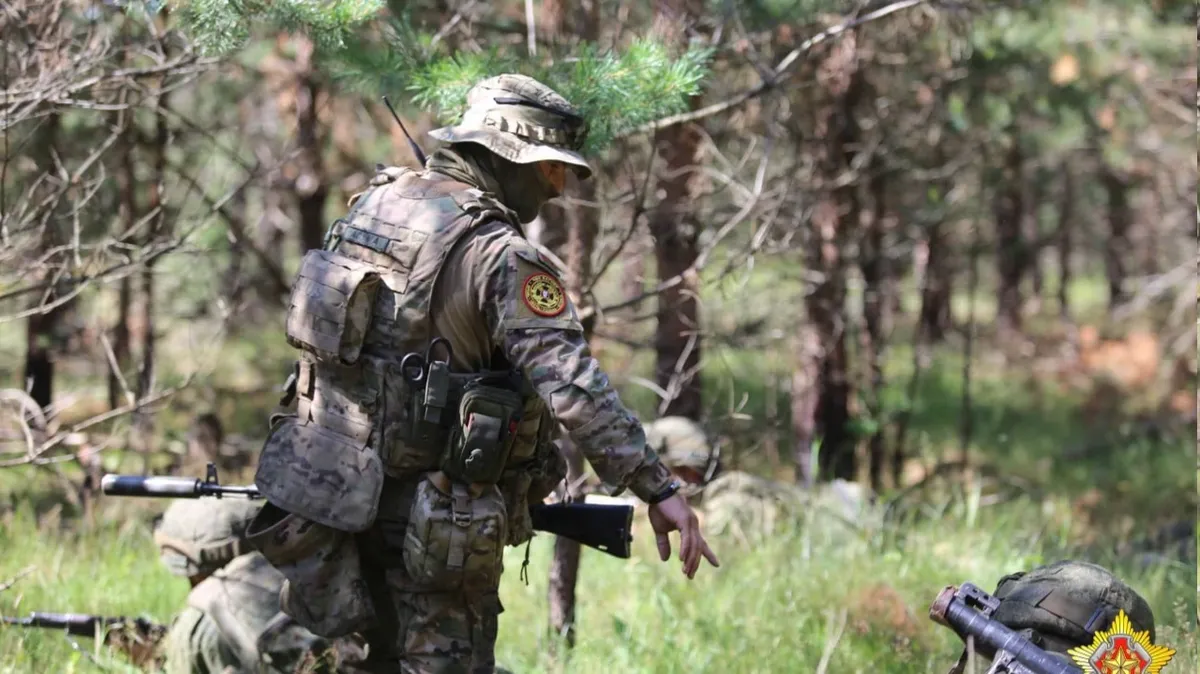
(193, 645)
(418, 631)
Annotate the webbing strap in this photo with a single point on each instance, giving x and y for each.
(304, 390)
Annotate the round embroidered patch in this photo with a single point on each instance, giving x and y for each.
(544, 295)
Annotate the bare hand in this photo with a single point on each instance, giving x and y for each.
(674, 514)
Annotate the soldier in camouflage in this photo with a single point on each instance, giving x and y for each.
(730, 501)
(1060, 606)
(746, 505)
(439, 352)
(232, 623)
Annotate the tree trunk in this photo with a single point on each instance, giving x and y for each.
(676, 246)
(128, 216)
(935, 317)
(876, 280)
(823, 341)
(42, 330)
(1033, 235)
(582, 227)
(1116, 248)
(551, 17)
(1010, 252)
(1066, 223)
(677, 341)
(155, 233)
(310, 185)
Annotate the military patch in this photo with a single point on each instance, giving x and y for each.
(543, 295)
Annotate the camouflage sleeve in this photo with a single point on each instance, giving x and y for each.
(530, 316)
(193, 646)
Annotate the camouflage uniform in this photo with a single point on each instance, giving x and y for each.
(1062, 605)
(745, 505)
(407, 477)
(232, 622)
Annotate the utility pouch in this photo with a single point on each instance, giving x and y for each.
(330, 306)
(514, 487)
(324, 590)
(482, 440)
(455, 537)
(409, 444)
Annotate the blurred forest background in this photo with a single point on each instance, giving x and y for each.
(944, 249)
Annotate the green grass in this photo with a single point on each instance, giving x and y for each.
(110, 569)
(775, 605)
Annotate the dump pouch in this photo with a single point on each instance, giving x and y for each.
(330, 306)
(455, 536)
(325, 591)
(481, 441)
(320, 475)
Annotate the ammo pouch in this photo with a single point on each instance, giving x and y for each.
(330, 306)
(455, 537)
(325, 591)
(482, 439)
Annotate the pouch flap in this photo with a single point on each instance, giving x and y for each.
(331, 305)
(321, 476)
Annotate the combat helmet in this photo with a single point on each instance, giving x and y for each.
(682, 443)
(523, 121)
(197, 537)
(1062, 605)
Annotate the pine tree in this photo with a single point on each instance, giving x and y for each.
(370, 52)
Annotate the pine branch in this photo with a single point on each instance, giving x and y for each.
(219, 27)
(616, 92)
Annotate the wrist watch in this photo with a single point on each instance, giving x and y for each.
(669, 491)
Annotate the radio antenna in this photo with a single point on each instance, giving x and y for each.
(416, 149)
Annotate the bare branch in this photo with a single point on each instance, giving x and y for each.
(780, 74)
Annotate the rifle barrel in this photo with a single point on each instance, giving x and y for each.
(77, 624)
(136, 485)
(156, 486)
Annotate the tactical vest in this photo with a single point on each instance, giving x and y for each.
(362, 314)
(242, 600)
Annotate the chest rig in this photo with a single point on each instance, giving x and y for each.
(374, 375)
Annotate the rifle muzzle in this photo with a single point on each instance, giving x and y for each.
(136, 485)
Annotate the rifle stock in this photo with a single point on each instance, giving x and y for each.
(607, 528)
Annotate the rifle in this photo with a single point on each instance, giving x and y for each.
(138, 638)
(607, 528)
(968, 611)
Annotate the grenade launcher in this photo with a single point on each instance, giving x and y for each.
(968, 611)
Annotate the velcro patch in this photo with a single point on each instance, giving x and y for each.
(543, 295)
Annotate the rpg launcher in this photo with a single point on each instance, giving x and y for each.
(968, 611)
(607, 528)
